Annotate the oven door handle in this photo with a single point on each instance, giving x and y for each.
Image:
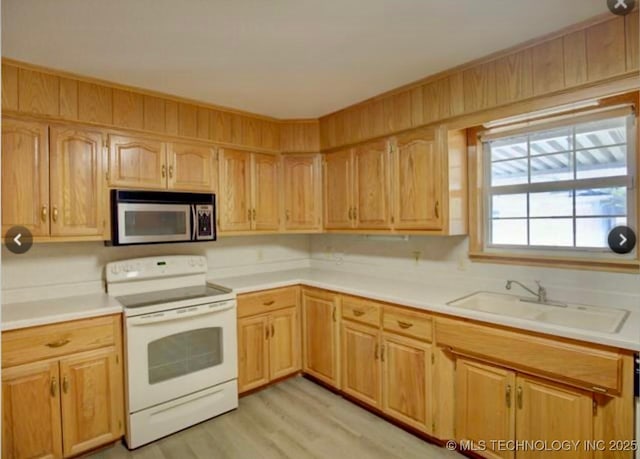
(175, 315)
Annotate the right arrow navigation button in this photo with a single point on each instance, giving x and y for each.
(622, 239)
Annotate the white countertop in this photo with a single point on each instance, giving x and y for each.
(42, 312)
(425, 296)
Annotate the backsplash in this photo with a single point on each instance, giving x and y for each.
(51, 270)
(443, 260)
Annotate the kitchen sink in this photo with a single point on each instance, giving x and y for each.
(608, 320)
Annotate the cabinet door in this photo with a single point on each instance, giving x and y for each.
(302, 192)
(234, 198)
(548, 412)
(320, 331)
(192, 168)
(361, 353)
(78, 188)
(417, 184)
(25, 176)
(92, 407)
(484, 405)
(284, 343)
(31, 425)
(253, 352)
(266, 192)
(406, 381)
(137, 163)
(338, 190)
(372, 186)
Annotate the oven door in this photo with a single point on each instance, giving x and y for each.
(140, 223)
(175, 353)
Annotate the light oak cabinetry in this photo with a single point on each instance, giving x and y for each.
(360, 362)
(249, 198)
(268, 337)
(320, 331)
(137, 162)
(53, 180)
(415, 182)
(302, 192)
(62, 388)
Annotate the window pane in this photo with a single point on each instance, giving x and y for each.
(611, 131)
(509, 172)
(593, 232)
(509, 232)
(551, 168)
(601, 162)
(601, 201)
(513, 147)
(553, 141)
(555, 232)
(509, 205)
(551, 204)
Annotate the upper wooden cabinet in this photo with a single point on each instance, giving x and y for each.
(249, 197)
(302, 193)
(413, 182)
(53, 180)
(320, 329)
(25, 176)
(78, 191)
(137, 162)
(192, 167)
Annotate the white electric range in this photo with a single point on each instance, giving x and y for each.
(180, 342)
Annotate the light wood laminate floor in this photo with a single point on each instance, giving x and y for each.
(293, 419)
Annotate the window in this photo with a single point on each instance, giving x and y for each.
(560, 186)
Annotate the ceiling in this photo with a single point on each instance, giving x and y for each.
(283, 58)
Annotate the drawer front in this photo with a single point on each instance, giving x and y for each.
(402, 322)
(56, 340)
(251, 304)
(361, 310)
(593, 368)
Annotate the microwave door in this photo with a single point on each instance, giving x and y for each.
(140, 223)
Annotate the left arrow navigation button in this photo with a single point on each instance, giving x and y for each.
(18, 239)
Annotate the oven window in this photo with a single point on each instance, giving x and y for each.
(154, 223)
(183, 353)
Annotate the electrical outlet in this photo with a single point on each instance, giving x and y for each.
(416, 256)
(259, 255)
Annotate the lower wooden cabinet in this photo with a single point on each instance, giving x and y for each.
(268, 337)
(61, 404)
(361, 354)
(495, 404)
(320, 313)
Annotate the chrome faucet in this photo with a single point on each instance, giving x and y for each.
(541, 294)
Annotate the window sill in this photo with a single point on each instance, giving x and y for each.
(591, 264)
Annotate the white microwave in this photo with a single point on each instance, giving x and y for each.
(155, 217)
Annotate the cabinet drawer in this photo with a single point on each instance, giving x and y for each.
(361, 310)
(403, 322)
(593, 368)
(55, 340)
(251, 304)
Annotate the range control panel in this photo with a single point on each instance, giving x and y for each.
(155, 267)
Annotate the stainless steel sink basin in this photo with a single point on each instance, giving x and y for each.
(608, 320)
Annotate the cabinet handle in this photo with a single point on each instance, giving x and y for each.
(382, 352)
(333, 314)
(355, 213)
(266, 332)
(375, 353)
(164, 171)
(269, 303)
(519, 397)
(254, 214)
(65, 385)
(249, 214)
(507, 395)
(43, 213)
(358, 313)
(404, 325)
(171, 171)
(437, 209)
(286, 214)
(54, 214)
(58, 343)
(54, 386)
(350, 213)
(273, 331)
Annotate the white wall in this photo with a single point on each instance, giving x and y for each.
(444, 260)
(66, 268)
